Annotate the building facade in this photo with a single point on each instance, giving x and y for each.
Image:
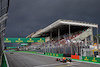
(4, 4)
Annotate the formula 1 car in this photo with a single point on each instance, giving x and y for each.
(11, 52)
(64, 60)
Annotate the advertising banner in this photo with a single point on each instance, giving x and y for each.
(23, 40)
(92, 59)
(75, 56)
(54, 54)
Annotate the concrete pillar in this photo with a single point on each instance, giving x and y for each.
(92, 40)
(97, 40)
(59, 39)
(70, 39)
(98, 43)
(86, 41)
(51, 40)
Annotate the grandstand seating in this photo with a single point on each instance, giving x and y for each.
(54, 45)
(65, 37)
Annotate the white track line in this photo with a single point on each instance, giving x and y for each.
(50, 65)
(57, 64)
(6, 60)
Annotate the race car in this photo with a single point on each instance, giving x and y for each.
(64, 60)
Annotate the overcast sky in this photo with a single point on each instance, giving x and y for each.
(27, 16)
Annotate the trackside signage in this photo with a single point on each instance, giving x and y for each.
(75, 56)
(23, 40)
(92, 59)
(54, 54)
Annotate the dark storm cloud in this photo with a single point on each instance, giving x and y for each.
(27, 16)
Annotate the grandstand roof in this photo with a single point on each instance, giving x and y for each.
(30, 35)
(64, 25)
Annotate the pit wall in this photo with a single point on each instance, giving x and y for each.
(42, 53)
(34, 52)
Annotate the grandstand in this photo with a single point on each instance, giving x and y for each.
(67, 37)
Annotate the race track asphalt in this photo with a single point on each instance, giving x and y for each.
(18, 59)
